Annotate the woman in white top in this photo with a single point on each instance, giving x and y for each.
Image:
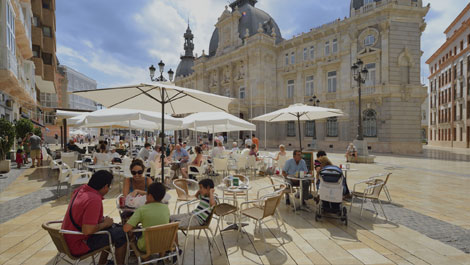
(282, 152)
(101, 157)
(218, 151)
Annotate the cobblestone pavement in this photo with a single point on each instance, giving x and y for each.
(7, 178)
(447, 233)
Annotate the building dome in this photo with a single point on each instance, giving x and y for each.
(250, 19)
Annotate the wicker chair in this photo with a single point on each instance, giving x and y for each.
(204, 227)
(57, 236)
(182, 190)
(289, 190)
(159, 239)
(371, 192)
(261, 209)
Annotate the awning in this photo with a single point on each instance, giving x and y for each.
(45, 86)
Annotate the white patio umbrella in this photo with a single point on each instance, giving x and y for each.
(299, 112)
(78, 132)
(215, 122)
(155, 97)
(125, 118)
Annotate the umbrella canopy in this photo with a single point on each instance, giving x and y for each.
(215, 122)
(177, 100)
(299, 112)
(125, 118)
(78, 132)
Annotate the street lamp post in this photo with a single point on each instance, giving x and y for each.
(315, 102)
(161, 68)
(360, 75)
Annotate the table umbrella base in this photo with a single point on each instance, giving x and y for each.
(233, 227)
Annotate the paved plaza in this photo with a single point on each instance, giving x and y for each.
(428, 219)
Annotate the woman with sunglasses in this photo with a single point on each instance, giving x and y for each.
(138, 184)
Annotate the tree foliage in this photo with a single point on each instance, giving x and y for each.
(23, 127)
(7, 137)
(37, 131)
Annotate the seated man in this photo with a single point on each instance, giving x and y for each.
(144, 153)
(351, 153)
(152, 213)
(206, 197)
(292, 166)
(85, 214)
(180, 155)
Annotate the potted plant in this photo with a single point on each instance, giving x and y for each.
(7, 138)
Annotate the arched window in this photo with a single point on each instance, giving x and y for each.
(369, 121)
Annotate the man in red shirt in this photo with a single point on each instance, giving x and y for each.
(85, 214)
(255, 141)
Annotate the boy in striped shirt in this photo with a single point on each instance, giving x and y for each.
(207, 200)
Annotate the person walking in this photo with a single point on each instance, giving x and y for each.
(35, 147)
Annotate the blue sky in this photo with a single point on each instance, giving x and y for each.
(115, 41)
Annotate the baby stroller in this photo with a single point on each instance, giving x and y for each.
(331, 194)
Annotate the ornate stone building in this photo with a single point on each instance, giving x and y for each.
(249, 60)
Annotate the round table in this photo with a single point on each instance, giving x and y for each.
(235, 190)
(308, 177)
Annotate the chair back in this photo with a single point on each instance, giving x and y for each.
(181, 186)
(125, 166)
(160, 238)
(386, 178)
(241, 162)
(251, 161)
(69, 158)
(58, 238)
(375, 192)
(270, 205)
(64, 172)
(220, 164)
(153, 168)
(282, 161)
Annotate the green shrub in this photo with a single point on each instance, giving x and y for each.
(37, 131)
(7, 137)
(23, 127)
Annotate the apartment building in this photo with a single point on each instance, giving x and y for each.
(18, 94)
(449, 121)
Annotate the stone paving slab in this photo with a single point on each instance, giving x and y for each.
(447, 233)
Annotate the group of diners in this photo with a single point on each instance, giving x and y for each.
(85, 213)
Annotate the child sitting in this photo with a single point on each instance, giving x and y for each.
(207, 200)
(19, 157)
(152, 213)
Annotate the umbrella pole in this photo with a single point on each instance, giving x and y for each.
(300, 132)
(162, 135)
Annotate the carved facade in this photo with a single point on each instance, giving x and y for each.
(264, 72)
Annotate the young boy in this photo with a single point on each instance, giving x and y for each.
(152, 213)
(206, 197)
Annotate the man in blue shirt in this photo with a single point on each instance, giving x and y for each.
(291, 167)
(180, 154)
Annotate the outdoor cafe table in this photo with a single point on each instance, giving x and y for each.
(244, 188)
(346, 171)
(102, 167)
(306, 177)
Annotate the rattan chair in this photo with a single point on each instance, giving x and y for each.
(159, 239)
(57, 236)
(182, 190)
(289, 189)
(204, 227)
(376, 179)
(371, 192)
(261, 210)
